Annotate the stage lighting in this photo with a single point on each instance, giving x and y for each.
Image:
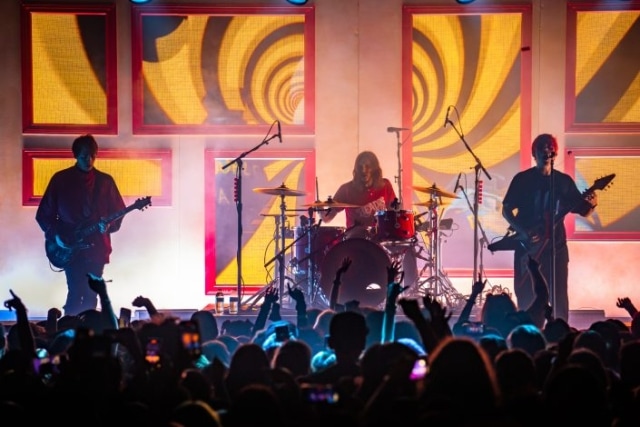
(465, 1)
(297, 2)
(140, 1)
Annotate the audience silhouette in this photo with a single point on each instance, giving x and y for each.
(346, 364)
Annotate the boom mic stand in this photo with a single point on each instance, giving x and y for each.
(553, 209)
(484, 236)
(238, 201)
(477, 169)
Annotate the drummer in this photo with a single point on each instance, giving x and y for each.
(368, 190)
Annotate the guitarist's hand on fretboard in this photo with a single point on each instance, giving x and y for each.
(592, 199)
(103, 226)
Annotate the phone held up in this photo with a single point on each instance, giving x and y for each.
(190, 337)
(152, 352)
(320, 394)
(124, 321)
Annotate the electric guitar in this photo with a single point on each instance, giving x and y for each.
(536, 239)
(61, 246)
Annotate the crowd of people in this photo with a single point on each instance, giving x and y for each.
(348, 364)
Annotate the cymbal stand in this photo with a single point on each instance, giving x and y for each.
(314, 291)
(281, 250)
(437, 284)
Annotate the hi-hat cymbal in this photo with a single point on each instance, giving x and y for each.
(435, 191)
(282, 190)
(330, 203)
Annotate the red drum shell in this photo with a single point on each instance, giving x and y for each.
(394, 225)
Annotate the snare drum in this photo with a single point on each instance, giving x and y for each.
(392, 225)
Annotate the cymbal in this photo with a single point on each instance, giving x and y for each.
(429, 203)
(282, 190)
(330, 203)
(435, 191)
(274, 215)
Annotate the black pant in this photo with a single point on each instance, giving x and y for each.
(558, 292)
(79, 296)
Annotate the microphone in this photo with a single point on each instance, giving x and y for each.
(392, 129)
(457, 182)
(446, 118)
(279, 131)
(550, 155)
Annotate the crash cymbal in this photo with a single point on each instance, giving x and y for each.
(282, 190)
(435, 191)
(330, 203)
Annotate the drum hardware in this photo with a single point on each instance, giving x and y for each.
(281, 247)
(437, 283)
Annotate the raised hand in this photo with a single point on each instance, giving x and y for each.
(14, 302)
(478, 286)
(271, 295)
(411, 309)
(140, 301)
(626, 303)
(439, 316)
(296, 294)
(97, 284)
(346, 263)
(393, 271)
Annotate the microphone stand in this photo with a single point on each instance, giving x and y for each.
(553, 209)
(477, 169)
(238, 200)
(484, 235)
(399, 177)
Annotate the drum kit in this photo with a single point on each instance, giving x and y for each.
(317, 251)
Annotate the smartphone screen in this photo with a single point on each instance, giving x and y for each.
(419, 370)
(320, 394)
(190, 335)
(124, 321)
(152, 351)
(282, 333)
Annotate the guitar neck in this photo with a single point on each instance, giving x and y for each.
(93, 228)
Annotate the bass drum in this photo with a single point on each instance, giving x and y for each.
(322, 239)
(366, 278)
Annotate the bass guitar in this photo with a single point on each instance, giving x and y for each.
(61, 246)
(535, 241)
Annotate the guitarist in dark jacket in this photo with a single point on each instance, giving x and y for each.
(528, 210)
(71, 214)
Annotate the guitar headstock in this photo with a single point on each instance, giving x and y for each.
(142, 203)
(603, 183)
